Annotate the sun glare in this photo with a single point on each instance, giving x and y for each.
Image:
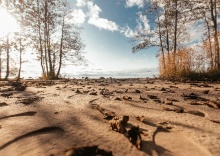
(8, 23)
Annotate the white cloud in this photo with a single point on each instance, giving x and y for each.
(95, 20)
(195, 32)
(81, 3)
(94, 10)
(103, 24)
(143, 23)
(128, 32)
(142, 27)
(78, 16)
(93, 16)
(131, 3)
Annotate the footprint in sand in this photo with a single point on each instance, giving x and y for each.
(176, 144)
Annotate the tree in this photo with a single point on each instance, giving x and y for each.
(7, 47)
(44, 26)
(9, 5)
(169, 33)
(70, 45)
(209, 11)
(213, 6)
(1, 49)
(21, 39)
(208, 43)
(54, 37)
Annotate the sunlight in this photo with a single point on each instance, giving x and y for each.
(8, 23)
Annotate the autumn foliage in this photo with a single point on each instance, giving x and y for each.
(195, 63)
(181, 56)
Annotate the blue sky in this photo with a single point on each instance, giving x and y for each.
(108, 26)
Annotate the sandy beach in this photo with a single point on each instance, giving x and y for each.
(43, 118)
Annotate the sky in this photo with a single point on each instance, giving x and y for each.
(108, 26)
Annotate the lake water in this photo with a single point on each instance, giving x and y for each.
(130, 73)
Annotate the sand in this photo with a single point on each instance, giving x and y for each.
(49, 117)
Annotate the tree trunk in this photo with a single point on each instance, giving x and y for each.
(7, 52)
(45, 39)
(215, 27)
(54, 62)
(7, 58)
(210, 43)
(175, 37)
(61, 51)
(161, 43)
(0, 62)
(51, 72)
(20, 60)
(40, 39)
(167, 40)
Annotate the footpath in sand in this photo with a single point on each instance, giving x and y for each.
(49, 117)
